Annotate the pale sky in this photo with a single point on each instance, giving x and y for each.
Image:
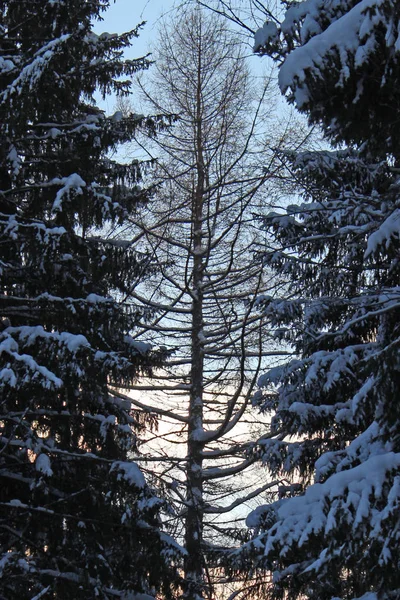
(124, 15)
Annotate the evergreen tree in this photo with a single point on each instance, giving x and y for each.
(336, 424)
(76, 516)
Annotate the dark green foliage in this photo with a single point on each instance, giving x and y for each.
(76, 517)
(337, 417)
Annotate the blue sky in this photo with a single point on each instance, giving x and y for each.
(124, 15)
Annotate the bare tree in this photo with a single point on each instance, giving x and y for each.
(245, 15)
(215, 167)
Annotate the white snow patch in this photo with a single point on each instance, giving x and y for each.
(264, 35)
(10, 346)
(95, 298)
(16, 502)
(8, 376)
(43, 465)
(342, 37)
(32, 72)
(117, 117)
(72, 182)
(357, 489)
(389, 228)
(141, 347)
(129, 472)
(73, 342)
(6, 65)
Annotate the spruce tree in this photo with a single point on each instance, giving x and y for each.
(77, 519)
(335, 432)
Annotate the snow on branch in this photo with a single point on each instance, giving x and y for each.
(129, 472)
(353, 34)
(32, 72)
(356, 492)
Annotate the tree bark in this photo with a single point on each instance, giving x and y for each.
(194, 567)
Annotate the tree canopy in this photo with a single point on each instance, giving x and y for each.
(76, 515)
(336, 413)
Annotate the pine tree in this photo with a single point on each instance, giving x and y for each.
(76, 516)
(336, 420)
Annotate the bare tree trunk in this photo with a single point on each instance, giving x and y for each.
(194, 567)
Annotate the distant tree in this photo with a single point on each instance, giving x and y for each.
(337, 415)
(76, 516)
(200, 228)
